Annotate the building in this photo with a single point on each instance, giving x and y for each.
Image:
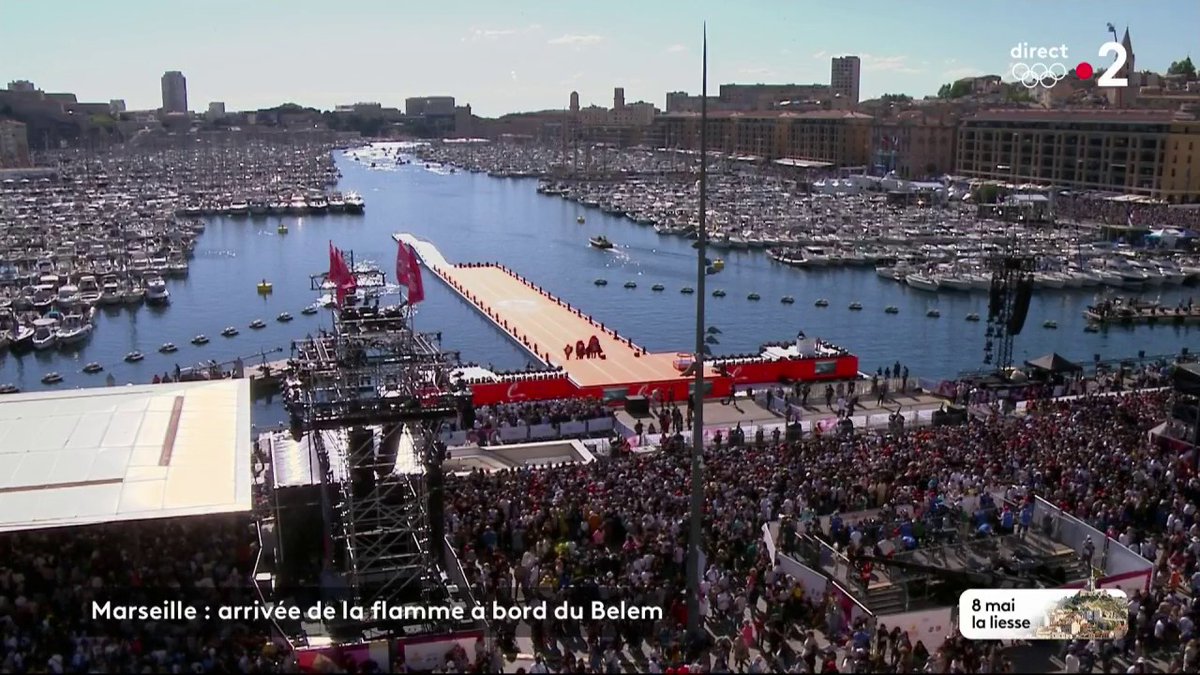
(748, 97)
(174, 92)
(427, 106)
(216, 111)
(14, 145)
(21, 85)
(1154, 153)
(844, 78)
(116, 106)
(838, 137)
(916, 144)
(618, 98)
(574, 101)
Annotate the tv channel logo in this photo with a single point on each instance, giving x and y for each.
(1043, 67)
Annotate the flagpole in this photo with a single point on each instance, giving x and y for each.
(697, 498)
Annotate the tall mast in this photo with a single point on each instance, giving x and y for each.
(697, 504)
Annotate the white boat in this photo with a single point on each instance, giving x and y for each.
(921, 282)
(45, 333)
(298, 205)
(239, 207)
(156, 291)
(89, 290)
(74, 329)
(68, 296)
(318, 204)
(134, 294)
(110, 291)
(952, 282)
(355, 203)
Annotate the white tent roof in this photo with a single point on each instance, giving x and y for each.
(124, 453)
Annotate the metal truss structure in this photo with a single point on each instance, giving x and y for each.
(1012, 278)
(387, 387)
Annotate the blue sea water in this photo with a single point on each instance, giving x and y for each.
(473, 217)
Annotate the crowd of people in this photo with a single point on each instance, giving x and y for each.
(1096, 209)
(533, 413)
(618, 527)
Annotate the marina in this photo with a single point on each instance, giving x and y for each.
(235, 254)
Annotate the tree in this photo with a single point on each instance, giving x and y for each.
(957, 89)
(1183, 67)
(895, 98)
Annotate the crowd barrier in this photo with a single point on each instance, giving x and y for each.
(1120, 564)
(536, 432)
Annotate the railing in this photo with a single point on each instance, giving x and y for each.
(537, 432)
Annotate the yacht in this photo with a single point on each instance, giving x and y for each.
(89, 290)
(45, 333)
(134, 294)
(110, 291)
(355, 203)
(921, 282)
(239, 207)
(74, 329)
(318, 204)
(177, 264)
(68, 297)
(298, 205)
(337, 202)
(156, 291)
(42, 298)
(952, 281)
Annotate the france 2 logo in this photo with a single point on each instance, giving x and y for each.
(1032, 69)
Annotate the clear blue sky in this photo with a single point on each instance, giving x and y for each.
(507, 55)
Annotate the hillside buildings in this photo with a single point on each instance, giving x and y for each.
(14, 145)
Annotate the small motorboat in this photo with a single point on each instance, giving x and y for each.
(855, 306)
(229, 331)
(630, 284)
(9, 389)
(200, 340)
(658, 287)
(265, 287)
(933, 313)
(1050, 325)
(787, 300)
(93, 367)
(718, 293)
(972, 317)
(283, 317)
(309, 310)
(257, 324)
(754, 296)
(168, 348)
(600, 241)
(822, 303)
(1091, 328)
(134, 357)
(601, 282)
(282, 229)
(891, 309)
(51, 378)
(581, 220)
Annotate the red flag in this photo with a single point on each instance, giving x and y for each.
(403, 275)
(340, 274)
(416, 287)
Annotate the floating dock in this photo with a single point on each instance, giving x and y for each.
(1131, 315)
(544, 325)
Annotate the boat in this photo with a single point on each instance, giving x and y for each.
(1091, 328)
(891, 309)
(282, 229)
(787, 300)
(298, 205)
(283, 317)
(933, 313)
(355, 203)
(230, 331)
(258, 323)
(1050, 325)
(310, 309)
(200, 339)
(856, 306)
(600, 242)
(93, 367)
(168, 348)
(972, 317)
(630, 284)
(134, 357)
(718, 264)
(51, 378)
(74, 329)
(657, 287)
(89, 290)
(822, 303)
(718, 293)
(921, 282)
(156, 291)
(45, 333)
(754, 296)
(134, 294)
(265, 287)
(601, 282)
(581, 220)
(110, 291)
(687, 290)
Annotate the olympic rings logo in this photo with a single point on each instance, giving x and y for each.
(1038, 74)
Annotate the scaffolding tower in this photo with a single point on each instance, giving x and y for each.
(387, 388)
(1008, 306)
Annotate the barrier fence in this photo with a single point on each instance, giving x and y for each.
(524, 432)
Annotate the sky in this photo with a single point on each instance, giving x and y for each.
(520, 55)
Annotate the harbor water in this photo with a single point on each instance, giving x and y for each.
(474, 217)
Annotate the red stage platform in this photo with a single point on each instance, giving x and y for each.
(544, 325)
